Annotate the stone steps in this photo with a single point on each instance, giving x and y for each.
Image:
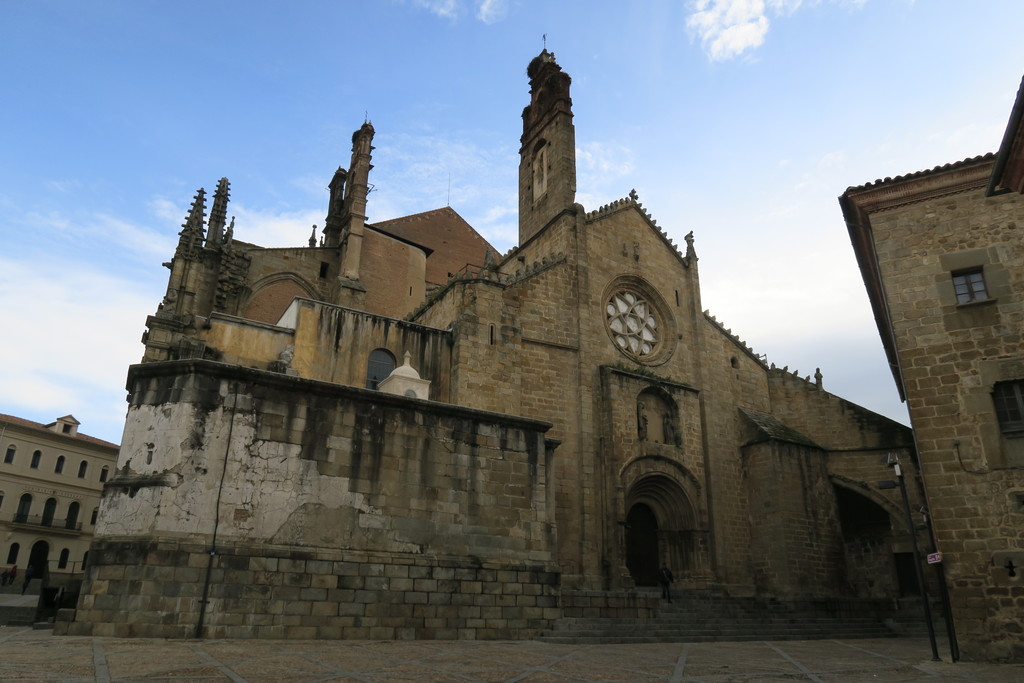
(11, 615)
(707, 617)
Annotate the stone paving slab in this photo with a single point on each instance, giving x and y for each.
(38, 656)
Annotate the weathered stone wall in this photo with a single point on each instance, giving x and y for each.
(796, 542)
(155, 589)
(276, 276)
(829, 420)
(950, 356)
(311, 470)
(730, 379)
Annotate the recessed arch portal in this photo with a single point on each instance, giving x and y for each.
(660, 527)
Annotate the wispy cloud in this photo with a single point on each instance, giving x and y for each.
(276, 228)
(601, 168)
(487, 11)
(730, 28)
(491, 11)
(442, 8)
(420, 172)
(72, 339)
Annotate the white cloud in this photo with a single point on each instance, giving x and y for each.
(72, 331)
(447, 9)
(728, 28)
(491, 11)
(601, 168)
(487, 11)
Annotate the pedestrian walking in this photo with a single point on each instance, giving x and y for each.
(665, 578)
(29, 573)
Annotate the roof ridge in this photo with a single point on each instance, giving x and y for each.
(32, 424)
(918, 174)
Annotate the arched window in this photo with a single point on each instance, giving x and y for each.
(95, 513)
(49, 510)
(82, 467)
(72, 520)
(24, 508)
(379, 366)
(36, 457)
(12, 554)
(103, 473)
(62, 563)
(540, 170)
(9, 455)
(59, 467)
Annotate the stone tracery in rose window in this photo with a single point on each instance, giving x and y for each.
(632, 323)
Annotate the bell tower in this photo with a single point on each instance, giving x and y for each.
(547, 155)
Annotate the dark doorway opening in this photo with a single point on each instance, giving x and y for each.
(906, 575)
(38, 558)
(642, 545)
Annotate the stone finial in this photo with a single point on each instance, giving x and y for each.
(633, 195)
(312, 237)
(817, 377)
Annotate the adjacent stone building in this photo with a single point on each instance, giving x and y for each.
(51, 477)
(566, 418)
(940, 253)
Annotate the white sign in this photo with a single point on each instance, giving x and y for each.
(935, 558)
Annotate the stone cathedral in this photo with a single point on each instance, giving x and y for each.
(395, 431)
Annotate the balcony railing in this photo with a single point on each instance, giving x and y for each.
(48, 522)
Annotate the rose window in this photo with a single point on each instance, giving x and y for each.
(632, 324)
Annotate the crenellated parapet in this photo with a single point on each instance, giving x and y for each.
(756, 357)
(810, 382)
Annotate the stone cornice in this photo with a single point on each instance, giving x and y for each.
(882, 195)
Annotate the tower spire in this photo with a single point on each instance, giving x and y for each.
(547, 157)
(218, 213)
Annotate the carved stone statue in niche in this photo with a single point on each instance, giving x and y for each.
(668, 430)
(641, 420)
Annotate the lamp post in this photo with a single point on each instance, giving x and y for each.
(894, 462)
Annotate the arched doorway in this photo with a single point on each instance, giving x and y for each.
(642, 557)
(38, 558)
(660, 529)
(872, 569)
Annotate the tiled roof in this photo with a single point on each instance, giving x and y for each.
(453, 241)
(771, 428)
(21, 422)
(918, 174)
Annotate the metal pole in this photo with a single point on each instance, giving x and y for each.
(954, 645)
(917, 563)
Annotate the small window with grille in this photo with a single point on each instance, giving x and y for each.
(969, 286)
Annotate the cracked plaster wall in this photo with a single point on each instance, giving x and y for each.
(334, 469)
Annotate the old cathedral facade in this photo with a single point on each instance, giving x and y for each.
(398, 432)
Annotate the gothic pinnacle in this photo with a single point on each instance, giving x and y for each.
(218, 213)
(191, 235)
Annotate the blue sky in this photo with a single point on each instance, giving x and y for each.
(739, 120)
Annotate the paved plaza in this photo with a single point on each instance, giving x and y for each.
(36, 655)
